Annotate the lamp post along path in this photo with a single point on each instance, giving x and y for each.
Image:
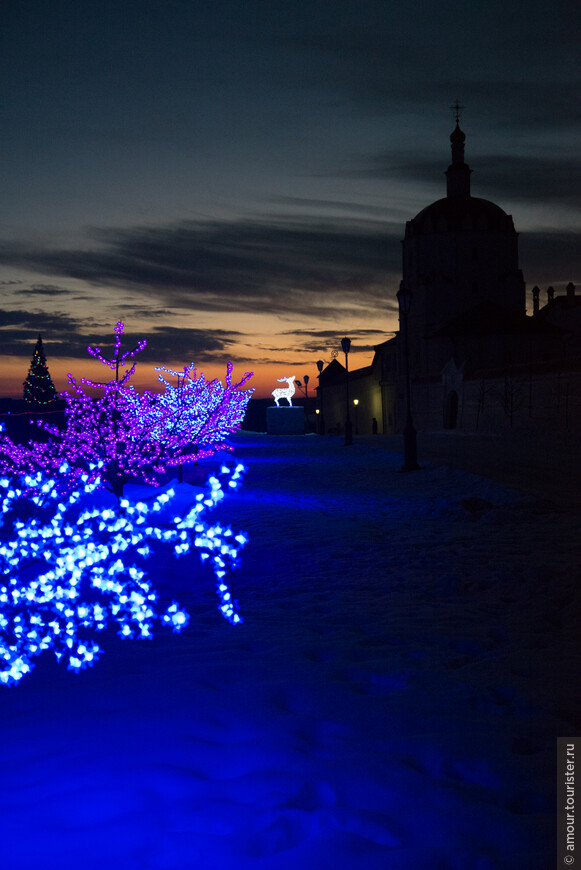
(321, 419)
(346, 347)
(410, 450)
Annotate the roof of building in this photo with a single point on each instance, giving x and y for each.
(460, 213)
(335, 372)
(560, 303)
(390, 342)
(488, 318)
(332, 371)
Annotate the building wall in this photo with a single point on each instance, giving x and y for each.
(451, 272)
(548, 400)
(363, 385)
(528, 395)
(517, 399)
(370, 407)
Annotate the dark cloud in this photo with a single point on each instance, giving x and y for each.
(531, 179)
(189, 345)
(333, 334)
(32, 323)
(283, 267)
(19, 341)
(331, 205)
(406, 56)
(143, 311)
(323, 341)
(65, 336)
(49, 290)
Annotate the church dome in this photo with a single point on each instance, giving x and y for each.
(457, 137)
(460, 213)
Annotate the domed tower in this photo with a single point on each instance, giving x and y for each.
(459, 253)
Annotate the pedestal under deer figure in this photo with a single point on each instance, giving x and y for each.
(285, 392)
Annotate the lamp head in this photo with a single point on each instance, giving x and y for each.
(404, 298)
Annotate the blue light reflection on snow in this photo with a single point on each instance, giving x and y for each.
(67, 570)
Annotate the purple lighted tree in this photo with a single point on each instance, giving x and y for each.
(120, 435)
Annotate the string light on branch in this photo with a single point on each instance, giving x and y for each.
(93, 568)
(67, 571)
(121, 435)
(39, 390)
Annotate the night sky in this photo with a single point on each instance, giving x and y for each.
(232, 178)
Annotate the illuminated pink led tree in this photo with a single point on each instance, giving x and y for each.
(120, 435)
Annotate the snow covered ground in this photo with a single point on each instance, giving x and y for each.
(409, 655)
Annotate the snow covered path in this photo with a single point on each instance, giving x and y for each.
(409, 655)
(544, 464)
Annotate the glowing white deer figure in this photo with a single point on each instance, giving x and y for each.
(285, 392)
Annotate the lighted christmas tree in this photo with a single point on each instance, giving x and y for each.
(39, 389)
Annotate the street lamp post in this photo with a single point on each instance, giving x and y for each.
(346, 347)
(410, 449)
(356, 402)
(321, 419)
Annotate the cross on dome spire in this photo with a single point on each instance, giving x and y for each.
(457, 109)
(458, 173)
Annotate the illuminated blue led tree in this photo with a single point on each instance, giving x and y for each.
(72, 570)
(67, 571)
(195, 413)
